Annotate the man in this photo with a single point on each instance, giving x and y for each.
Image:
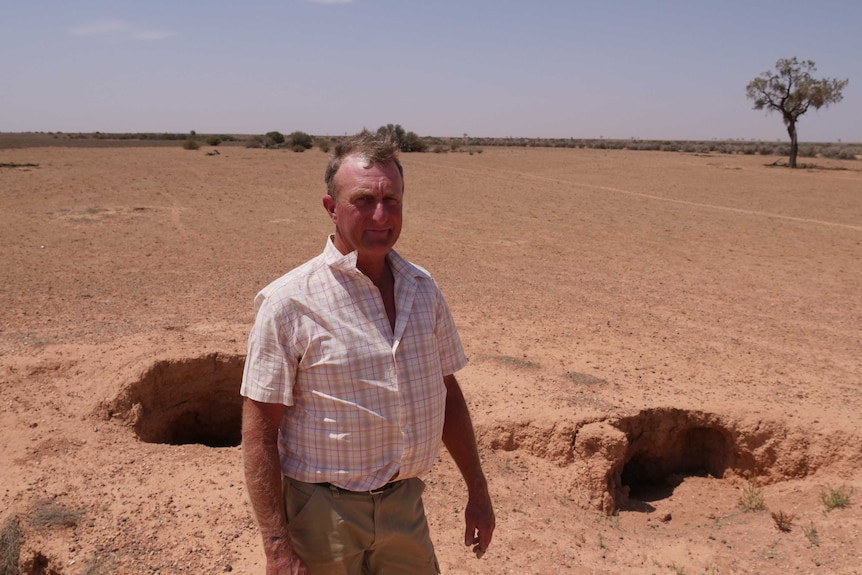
(349, 389)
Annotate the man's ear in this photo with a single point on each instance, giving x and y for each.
(329, 205)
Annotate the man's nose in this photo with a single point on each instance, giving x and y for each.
(379, 214)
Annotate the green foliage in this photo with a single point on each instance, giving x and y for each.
(191, 144)
(836, 497)
(274, 137)
(407, 141)
(298, 148)
(792, 91)
(394, 130)
(213, 140)
(411, 142)
(323, 144)
(301, 139)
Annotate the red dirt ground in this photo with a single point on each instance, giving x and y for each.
(650, 335)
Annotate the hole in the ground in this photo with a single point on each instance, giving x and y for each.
(666, 446)
(194, 400)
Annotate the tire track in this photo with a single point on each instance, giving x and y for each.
(645, 196)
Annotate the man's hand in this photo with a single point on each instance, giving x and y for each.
(480, 523)
(281, 559)
(460, 440)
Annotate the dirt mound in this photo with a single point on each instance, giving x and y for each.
(620, 462)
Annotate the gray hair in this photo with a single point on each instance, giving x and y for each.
(375, 148)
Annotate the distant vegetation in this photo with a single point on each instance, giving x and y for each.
(407, 141)
(410, 142)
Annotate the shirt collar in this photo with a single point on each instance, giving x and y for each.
(347, 262)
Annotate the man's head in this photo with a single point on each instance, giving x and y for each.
(364, 196)
(374, 148)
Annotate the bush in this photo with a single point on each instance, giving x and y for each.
(213, 140)
(301, 139)
(411, 142)
(191, 144)
(752, 499)
(323, 144)
(298, 148)
(836, 497)
(275, 137)
(255, 142)
(407, 141)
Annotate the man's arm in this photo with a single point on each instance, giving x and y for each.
(260, 422)
(460, 440)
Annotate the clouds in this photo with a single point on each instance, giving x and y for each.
(119, 29)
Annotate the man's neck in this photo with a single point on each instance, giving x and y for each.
(378, 272)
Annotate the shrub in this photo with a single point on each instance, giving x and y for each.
(255, 142)
(411, 142)
(298, 148)
(783, 521)
(213, 140)
(301, 139)
(275, 137)
(191, 144)
(836, 497)
(752, 499)
(407, 141)
(323, 144)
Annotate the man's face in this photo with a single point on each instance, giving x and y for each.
(367, 210)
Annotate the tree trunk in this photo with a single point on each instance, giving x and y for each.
(794, 144)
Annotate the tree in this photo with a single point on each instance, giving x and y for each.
(791, 91)
(407, 141)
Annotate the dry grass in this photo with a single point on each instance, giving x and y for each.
(836, 497)
(783, 521)
(10, 546)
(811, 534)
(50, 514)
(517, 362)
(752, 499)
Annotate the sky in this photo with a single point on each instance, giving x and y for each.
(620, 69)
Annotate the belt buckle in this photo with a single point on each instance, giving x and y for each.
(384, 487)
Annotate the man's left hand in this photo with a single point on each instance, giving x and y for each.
(480, 523)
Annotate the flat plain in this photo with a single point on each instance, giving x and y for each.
(653, 338)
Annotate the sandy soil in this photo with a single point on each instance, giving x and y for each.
(652, 336)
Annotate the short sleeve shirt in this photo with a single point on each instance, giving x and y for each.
(364, 403)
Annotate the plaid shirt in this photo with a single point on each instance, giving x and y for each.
(364, 404)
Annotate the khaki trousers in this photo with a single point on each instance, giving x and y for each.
(340, 532)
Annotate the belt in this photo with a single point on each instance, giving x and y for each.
(383, 488)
